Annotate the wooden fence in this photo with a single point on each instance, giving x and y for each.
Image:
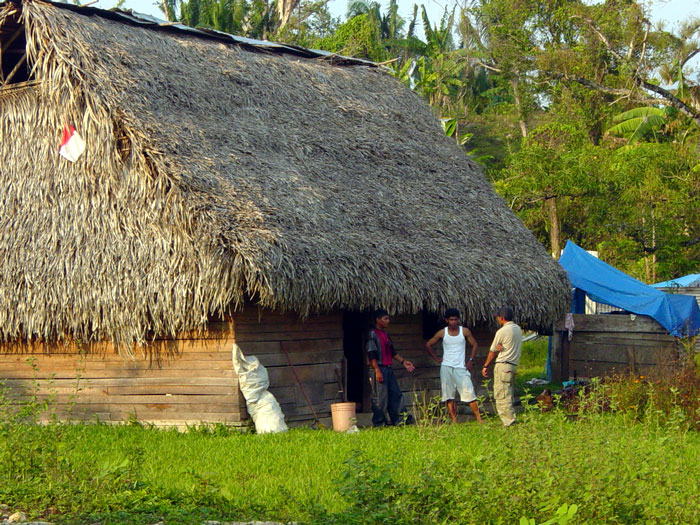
(607, 344)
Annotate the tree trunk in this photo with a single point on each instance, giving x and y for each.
(284, 11)
(647, 269)
(550, 205)
(166, 12)
(653, 246)
(515, 83)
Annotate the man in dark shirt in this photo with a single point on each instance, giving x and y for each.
(386, 393)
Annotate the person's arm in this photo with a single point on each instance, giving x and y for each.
(496, 347)
(377, 372)
(405, 362)
(395, 355)
(373, 353)
(489, 358)
(468, 334)
(429, 345)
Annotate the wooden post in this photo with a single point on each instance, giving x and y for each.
(556, 357)
(565, 356)
(631, 359)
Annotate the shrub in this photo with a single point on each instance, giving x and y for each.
(667, 397)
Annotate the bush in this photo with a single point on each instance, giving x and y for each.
(668, 397)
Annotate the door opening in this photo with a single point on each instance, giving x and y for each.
(355, 328)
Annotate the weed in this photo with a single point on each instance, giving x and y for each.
(564, 515)
(610, 463)
(429, 411)
(664, 399)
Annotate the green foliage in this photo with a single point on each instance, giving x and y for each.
(565, 514)
(429, 411)
(650, 211)
(229, 16)
(670, 398)
(358, 37)
(639, 123)
(550, 170)
(534, 353)
(309, 20)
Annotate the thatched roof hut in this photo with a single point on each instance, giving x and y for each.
(217, 173)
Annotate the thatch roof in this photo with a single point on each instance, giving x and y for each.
(216, 174)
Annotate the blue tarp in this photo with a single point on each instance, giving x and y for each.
(679, 314)
(692, 279)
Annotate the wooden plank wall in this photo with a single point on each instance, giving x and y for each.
(174, 382)
(608, 344)
(187, 380)
(406, 332)
(190, 380)
(315, 347)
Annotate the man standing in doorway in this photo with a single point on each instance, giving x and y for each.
(505, 350)
(386, 393)
(454, 366)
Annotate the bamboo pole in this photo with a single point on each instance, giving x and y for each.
(15, 69)
(14, 37)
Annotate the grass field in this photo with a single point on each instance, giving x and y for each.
(626, 452)
(613, 469)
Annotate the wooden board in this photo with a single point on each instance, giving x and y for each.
(630, 353)
(613, 323)
(601, 369)
(105, 386)
(611, 344)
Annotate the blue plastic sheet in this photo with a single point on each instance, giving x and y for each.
(692, 279)
(679, 314)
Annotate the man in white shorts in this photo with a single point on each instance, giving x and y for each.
(454, 369)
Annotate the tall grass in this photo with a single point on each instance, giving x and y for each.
(613, 469)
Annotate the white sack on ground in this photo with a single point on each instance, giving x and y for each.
(261, 404)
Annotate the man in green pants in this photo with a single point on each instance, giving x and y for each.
(505, 350)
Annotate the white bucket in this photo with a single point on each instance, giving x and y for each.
(343, 416)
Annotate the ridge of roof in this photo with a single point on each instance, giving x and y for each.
(156, 24)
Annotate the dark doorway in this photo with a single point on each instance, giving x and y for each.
(355, 327)
(14, 68)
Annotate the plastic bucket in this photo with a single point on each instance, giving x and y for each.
(343, 416)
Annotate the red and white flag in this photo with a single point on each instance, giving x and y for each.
(72, 144)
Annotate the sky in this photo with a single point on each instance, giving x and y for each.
(670, 11)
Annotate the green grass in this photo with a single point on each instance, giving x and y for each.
(612, 469)
(532, 364)
(626, 452)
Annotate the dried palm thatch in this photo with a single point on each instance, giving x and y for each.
(214, 175)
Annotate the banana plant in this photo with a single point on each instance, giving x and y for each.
(638, 123)
(451, 128)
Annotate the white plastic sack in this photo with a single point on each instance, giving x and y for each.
(253, 381)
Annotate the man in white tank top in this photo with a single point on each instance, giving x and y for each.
(454, 369)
